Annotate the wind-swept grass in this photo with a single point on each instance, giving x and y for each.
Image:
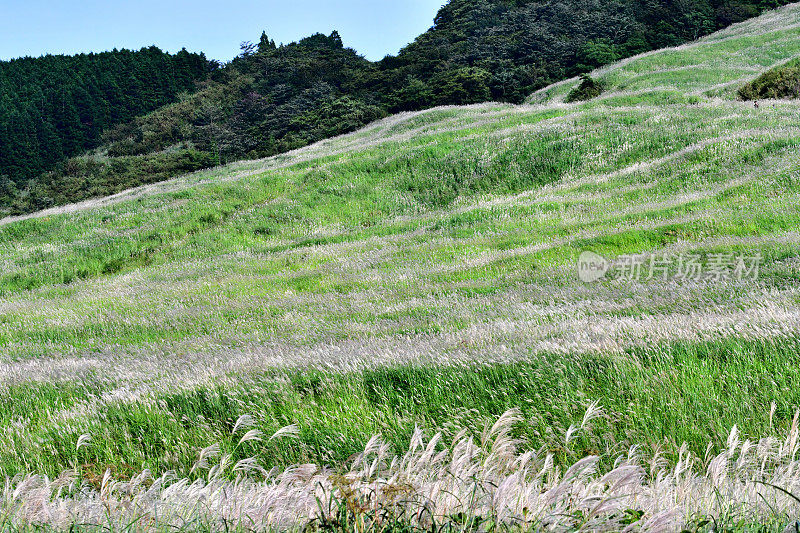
(661, 399)
(458, 483)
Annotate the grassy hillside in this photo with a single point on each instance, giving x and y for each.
(422, 272)
(274, 98)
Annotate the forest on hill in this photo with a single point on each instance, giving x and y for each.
(54, 107)
(274, 98)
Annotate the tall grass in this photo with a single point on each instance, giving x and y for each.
(464, 483)
(680, 396)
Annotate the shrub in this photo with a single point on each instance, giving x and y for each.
(588, 89)
(780, 82)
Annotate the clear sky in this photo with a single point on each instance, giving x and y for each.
(374, 28)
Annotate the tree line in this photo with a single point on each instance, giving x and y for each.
(55, 107)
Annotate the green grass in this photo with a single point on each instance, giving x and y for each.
(658, 398)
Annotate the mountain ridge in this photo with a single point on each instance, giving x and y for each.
(273, 99)
(542, 97)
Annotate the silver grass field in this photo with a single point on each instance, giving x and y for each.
(387, 330)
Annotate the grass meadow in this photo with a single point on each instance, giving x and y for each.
(386, 331)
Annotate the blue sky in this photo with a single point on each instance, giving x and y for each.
(373, 27)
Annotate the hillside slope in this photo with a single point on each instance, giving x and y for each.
(422, 271)
(274, 98)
